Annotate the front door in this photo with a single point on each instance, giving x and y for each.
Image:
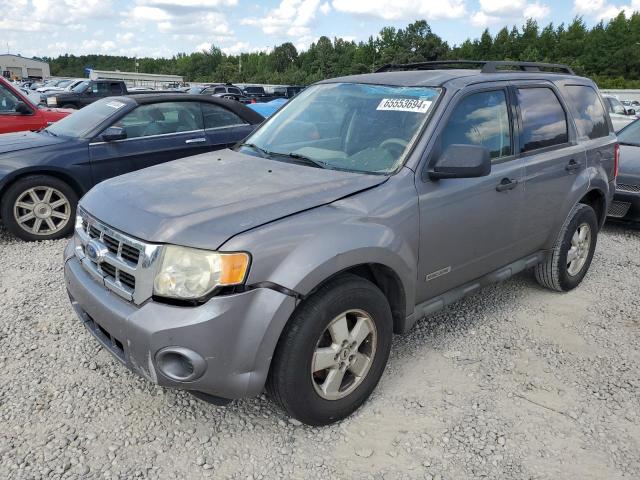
(470, 227)
(156, 133)
(10, 120)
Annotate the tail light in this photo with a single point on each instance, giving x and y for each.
(616, 161)
(253, 100)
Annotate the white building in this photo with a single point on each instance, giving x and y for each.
(22, 67)
(135, 79)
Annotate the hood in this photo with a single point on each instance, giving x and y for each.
(204, 200)
(629, 164)
(12, 142)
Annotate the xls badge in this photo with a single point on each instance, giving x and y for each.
(95, 251)
(438, 273)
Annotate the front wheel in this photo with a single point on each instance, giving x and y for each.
(333, 351)
(568, 263)
(39, 207)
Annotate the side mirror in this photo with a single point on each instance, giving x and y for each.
(114, 133)
(631, 111)
(23, 109)
(462, 161)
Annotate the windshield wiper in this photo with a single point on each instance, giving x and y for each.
(256, 148)
(300, 158)
(296, 156)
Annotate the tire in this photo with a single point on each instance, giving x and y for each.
(59, 211)
(70, 106)
(291, 382)
(556, 272)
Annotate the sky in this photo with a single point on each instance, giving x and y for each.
(162, 28)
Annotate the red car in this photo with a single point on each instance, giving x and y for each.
(17, 113)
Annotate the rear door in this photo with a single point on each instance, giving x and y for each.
(223, 128)
(471, 226)
(553, 160)
(156, 133)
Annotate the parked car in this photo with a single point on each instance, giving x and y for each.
(228, 91)
(59, 85)
(364, 204)
(256, 93)
(620, 116)
(18, 112)
(43, 174)
(269, 108)
(89, 91)
(626, 203)
(288, 91)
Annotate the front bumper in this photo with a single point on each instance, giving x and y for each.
(234, 334)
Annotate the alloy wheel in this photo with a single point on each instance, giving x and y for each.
(579, 251)
(42, 210)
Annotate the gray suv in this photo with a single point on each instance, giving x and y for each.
(368, 202)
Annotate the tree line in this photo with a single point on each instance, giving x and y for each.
(607, 52)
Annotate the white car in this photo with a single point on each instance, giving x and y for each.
(620, 116)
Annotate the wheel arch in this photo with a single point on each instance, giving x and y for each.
(60, 174)
(597, 200)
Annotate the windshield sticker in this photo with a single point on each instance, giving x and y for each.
(114, 104)
(405, 105)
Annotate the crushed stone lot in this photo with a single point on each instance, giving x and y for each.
(516, 382)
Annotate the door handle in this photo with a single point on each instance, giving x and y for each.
(507, 184)
(195, 140)
(572, 166)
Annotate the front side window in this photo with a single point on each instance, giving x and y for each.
(8, 101)
(346, 126)
(99, 88)
(216, 116)
(588, 111)
(235, 91)
(161, 119)
(219, 90)
(116, 89)
(481, 119)
(544, 121)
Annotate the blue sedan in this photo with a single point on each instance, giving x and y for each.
(43, 174)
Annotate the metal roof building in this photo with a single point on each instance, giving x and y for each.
(135, 79)
(22, 67)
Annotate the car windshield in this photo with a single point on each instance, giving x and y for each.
(630, 135)
(81, 87)
(346, 126)
(80, 123)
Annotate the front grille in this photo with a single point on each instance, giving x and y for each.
(618, 209)
(122, 262)
(625, 187)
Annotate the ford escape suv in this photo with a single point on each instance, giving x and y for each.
(366, 203)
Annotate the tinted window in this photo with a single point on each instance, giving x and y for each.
(116, 89)
(544, 122)
(588, 111)
(161, 119)
(235, 91)
(217, 117)
(8, 100)
(99, 88)
(219, 90)
(481, 119)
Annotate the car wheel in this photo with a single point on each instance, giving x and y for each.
(70, 106)
(39, 207)
(332, 352)
(568, 263)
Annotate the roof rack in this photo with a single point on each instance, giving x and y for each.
(485, 66)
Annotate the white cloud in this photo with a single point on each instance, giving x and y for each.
(503, 12)
(481, 19)
(325, 8)
(291, 18)
(537, 11)
(603, 10)
(402, 9)
(501, 6)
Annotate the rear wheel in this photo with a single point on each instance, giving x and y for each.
(333, 351)
(568, 263)
(39, 207)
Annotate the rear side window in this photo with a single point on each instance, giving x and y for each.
(481, 119)
(588, 111)
(544, 121)
(219, 117)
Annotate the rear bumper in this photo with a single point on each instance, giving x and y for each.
(625, 206)
(233, 334)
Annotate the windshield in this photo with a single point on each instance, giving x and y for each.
(346, 126)
(81, 87)
(630, 135)
(80, 123)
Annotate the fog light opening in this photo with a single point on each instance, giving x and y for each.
(180, 364)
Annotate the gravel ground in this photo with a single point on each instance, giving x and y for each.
(513, 383)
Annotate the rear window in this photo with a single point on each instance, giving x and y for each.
(588, 111)
(544, 121)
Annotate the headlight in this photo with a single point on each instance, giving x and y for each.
(52, 101)
(189, 273)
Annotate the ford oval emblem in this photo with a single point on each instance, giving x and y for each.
(95, 252)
